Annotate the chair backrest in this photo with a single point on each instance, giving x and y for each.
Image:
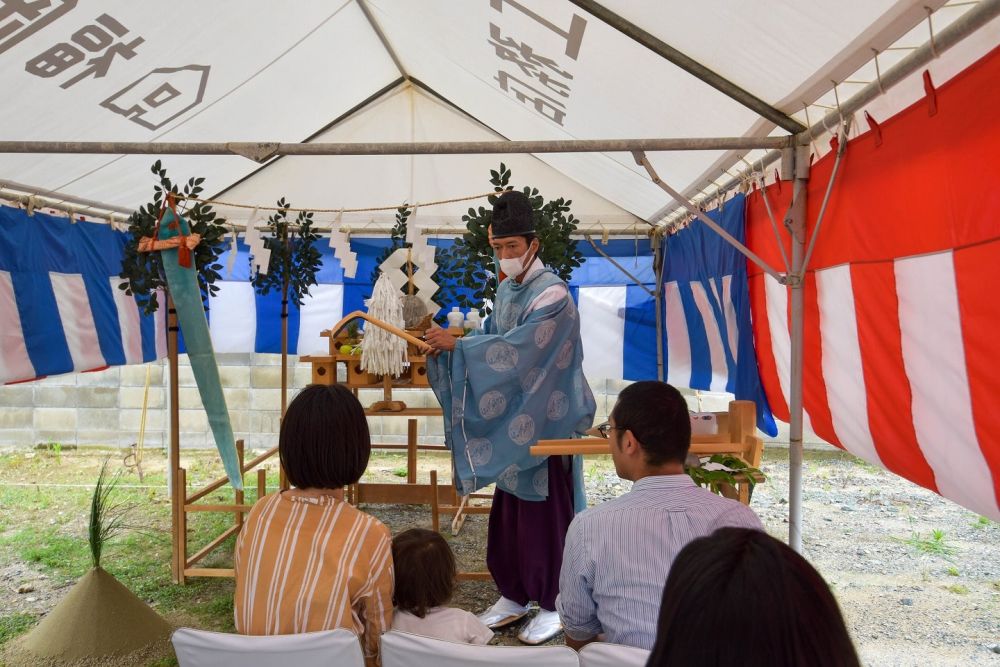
(402, 649)
(201, 648)
(601, 654)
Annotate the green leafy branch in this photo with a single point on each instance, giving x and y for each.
(294, 259)
(142, 272)
(713, 480)
(469, 262)
(397, 236)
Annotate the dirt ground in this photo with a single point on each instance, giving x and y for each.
(918, 577)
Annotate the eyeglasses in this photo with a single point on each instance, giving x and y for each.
(606, 428)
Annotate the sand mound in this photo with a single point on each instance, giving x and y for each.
(99, 619)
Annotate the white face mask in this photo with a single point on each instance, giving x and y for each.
(514, 266)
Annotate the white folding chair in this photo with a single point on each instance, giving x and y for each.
(401, 649)
(201, 648)
(601, 654)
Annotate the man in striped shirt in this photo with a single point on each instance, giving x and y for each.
(618, 554)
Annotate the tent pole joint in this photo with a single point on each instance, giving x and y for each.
(258, 152)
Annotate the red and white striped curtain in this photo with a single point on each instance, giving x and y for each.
(902, 311)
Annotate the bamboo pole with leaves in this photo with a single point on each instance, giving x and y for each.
(284, 332)
(291, 270)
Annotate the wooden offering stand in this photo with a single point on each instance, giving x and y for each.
(442, 499)
(324, 367)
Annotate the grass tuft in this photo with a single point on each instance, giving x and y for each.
(981, 522)
(107, 517)
(934, 544)
(14, 625)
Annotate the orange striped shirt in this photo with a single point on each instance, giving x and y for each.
(306, 561)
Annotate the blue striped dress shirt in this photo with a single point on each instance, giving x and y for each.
(618, 554)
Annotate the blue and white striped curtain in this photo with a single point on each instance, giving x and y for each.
(709, 340)
(60, 306)
(62, 310)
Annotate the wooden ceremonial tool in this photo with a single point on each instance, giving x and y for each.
(387, 404)
(421, 344)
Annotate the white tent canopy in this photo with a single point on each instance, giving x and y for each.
(254, 71)
(410, 114)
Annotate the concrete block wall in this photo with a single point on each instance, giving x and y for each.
(105, 407)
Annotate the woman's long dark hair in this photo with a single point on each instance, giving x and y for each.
(740, 597)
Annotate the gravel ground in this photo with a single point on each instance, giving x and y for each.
(908, 598)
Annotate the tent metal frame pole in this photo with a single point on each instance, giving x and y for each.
(103, 212)
(691, 66)
(382, 38)
(973, 19)
(796, 223)
(841, 148)
(774, 227)
(55, 200)
(642, 160)
(262, 150)
(618, 266)
(658, 256)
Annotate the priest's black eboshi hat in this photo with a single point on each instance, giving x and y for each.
(512, 215)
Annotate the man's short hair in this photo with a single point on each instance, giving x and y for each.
(657, 415)
(324, 441)
(513, 215)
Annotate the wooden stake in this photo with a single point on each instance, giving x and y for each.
(409, 272)
(174, 449)
(411, 453)
(238, 518)
(435, 510)
(180, 490)
(282, 478)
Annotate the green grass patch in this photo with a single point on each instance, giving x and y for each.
(952, 571)
(932, 544)
(14, 625)
(982, 522)
(957, 589)
(45, 526)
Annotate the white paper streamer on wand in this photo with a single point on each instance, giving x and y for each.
(384, 353)
(340, 243)
(423, 252)
(260, 255)
(411, 229)
(233, 249)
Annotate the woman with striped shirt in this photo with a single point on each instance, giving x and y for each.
(306, 560)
